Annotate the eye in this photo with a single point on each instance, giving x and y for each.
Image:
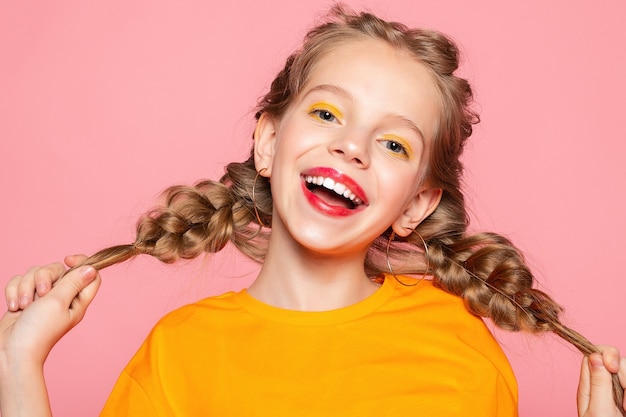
(324, 115)
(395, 147)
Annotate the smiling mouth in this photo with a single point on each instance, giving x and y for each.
(332, 192)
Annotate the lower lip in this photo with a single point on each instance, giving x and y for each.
(326, 208)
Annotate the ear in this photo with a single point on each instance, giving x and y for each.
(420, 207)
(264, 144)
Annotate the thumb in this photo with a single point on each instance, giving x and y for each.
(600, 387)
(77, 289)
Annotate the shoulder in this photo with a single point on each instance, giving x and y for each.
(421, 294)
(420, 301)
(443, 321)
(201, 314)
(185, 330)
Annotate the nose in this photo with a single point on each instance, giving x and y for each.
(352, 146)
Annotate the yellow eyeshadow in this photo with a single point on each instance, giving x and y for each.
(325, 106)
(402, 142)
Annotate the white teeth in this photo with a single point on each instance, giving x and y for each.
(337, 187)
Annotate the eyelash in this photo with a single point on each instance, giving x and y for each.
(401, 148)
(320, 113)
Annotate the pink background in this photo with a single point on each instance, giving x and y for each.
(103, 104)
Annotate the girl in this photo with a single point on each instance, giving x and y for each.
(354, 179)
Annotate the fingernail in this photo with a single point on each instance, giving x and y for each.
(42, 287)
(12, 305)
(596, 360)
(86, 270)
(24, 301)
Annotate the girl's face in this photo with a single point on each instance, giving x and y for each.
(347, 158)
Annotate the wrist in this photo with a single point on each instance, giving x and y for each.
(22, 387)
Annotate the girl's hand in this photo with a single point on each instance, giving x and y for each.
(595, 388)
(42, 308)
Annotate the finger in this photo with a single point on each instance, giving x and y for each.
(86, 296)
(74, 260)
(622, 379)
(74, 291)
(610, 357)
(45, 277)
(26, 288)
(582, 397)
(11, 294)
(600, 387)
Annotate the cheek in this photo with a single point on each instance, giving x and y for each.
(295, 143)
(398, 186)
(394, 170)
(293, 138)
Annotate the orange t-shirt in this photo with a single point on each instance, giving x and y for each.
(403, 351)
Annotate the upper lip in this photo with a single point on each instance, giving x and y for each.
(338, 178)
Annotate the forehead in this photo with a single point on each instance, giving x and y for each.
(379, 78)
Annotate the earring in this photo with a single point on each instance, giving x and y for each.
(256, 211)
(425, 246)
(391, 236)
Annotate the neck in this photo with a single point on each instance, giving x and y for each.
(296, 278)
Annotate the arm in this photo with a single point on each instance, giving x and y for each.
(23, 389)
(595, 389)
(42, 309)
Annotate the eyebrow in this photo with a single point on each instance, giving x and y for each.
(331, 88)
(342, 92)
(410, 124)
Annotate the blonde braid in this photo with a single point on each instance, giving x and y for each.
(199, 219)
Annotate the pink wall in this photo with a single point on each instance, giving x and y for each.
(103, 104)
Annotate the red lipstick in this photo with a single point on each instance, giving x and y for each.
(333, 192)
